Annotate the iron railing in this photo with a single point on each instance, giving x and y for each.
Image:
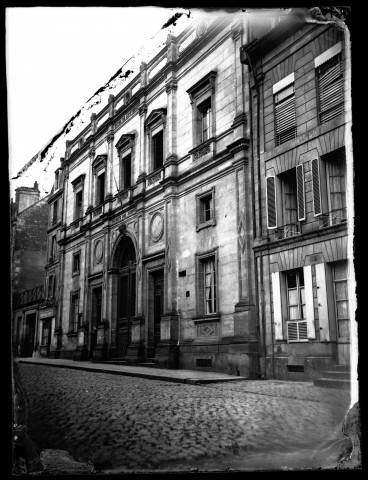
(33, 295)
(335, 217)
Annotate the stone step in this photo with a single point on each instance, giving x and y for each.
(146, 364)
(343, 374)
(114, 362)
(340, 368)
(341, 384)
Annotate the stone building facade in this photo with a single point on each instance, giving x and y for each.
(29, 219)
(302, 158)
(150, 257)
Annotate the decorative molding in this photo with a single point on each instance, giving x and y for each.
(156, 226)
(154, 178)
(98, 251)
(79, 181)
(171, 85)
(203, 151)
(125, 141)
(236, 31)
(242, 233)
(167, 254)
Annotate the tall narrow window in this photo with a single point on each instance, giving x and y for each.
(55, 212)
(100, 188)
(330, 89)
(53, 247)
(127, 171)
(76, 263)
(74, 312)
(285, 115)
(158, 149)
(51, 286)
(340, 282)
(296, 313)
(336, 173)
(79, 204)
(204, 121)
(209, 271)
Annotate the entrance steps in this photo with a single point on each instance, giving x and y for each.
(150, 362)
(337, 377)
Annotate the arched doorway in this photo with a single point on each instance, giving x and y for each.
(126, 296)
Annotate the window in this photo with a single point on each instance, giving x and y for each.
(204, 121)
(78, 185)
(126, 171)
(74, 312)
(55, 212)
(53, 248)
(78, 205)
(76, 263)
(206, 209)
(341, 297)
(329, 188)
(207, 292)
(158, 149)
(297, 329)
(100, 188)
(285, 115)
(202, 99)
(330, 83)
(155, 125)
(125, 148)
(45, 332)
(51, 286)
(286, 210)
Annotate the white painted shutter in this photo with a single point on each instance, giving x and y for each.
(309, 306)
(271, 202)
(324, 330)
(277, 310)
(316, 187)
(300, 191)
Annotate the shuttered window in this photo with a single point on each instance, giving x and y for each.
(316, 188)
(271, 202)
(300, 192)
(330, 89)
(285, 115)
(297, 324)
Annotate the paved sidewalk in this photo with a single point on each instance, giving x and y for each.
(191, 377)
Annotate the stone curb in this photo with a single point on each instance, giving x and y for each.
(149, 376)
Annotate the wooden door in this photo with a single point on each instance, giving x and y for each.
(158, 308)
(126, 308)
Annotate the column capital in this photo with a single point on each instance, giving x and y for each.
(236, 30)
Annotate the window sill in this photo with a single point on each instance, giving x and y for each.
(71, 334)
(75, 274)
(212, 317)
(209, 223)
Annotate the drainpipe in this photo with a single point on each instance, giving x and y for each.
(259, 288)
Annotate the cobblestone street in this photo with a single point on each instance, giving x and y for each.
(122, 423)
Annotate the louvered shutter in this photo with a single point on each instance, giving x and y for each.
(331, 89)
(277, 309)
(285, 115)
(271, 202)
(309, 304)
(324, 330)
(300, 192)
(316, 188)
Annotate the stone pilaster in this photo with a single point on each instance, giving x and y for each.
(111, 102)
(239, 125)
(109, 164)
(92, 153)
(166, 354)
